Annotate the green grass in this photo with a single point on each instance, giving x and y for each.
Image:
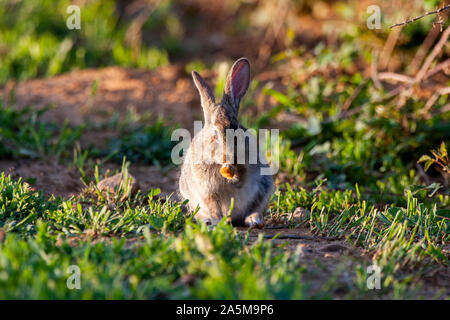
(23, 134)
(395, 236)
(375, 141)
(141, 143)
(197, 263)
(176, 258)
(147, 247)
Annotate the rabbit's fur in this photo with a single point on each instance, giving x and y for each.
(201, 181)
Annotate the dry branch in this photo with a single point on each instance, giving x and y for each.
(440, 66)
(389, 48)
(397, 77)
(436, 50)
(353, 96)
(438, 11)
(434, 98)
(374, 71)
(426, 46)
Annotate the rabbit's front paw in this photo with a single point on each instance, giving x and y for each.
(254, 220)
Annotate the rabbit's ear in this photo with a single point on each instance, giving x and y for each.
(206, 94)
(237, 83)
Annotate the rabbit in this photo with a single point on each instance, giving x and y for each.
(212, 181)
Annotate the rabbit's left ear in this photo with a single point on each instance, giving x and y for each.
(206, 96)
(205, 91)
(237, 83)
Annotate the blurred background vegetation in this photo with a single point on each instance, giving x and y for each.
(35, 40)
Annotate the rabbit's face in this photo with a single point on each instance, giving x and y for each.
(223, 119)
(219, 118)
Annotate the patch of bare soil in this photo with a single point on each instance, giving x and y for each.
(64, 181)
(323, 258)
(329, 260)
(50, 178)
(150, 177)
(167, 91)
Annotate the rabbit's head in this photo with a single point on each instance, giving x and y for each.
(222, 116)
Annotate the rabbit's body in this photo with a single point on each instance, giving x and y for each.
(201, 181)
(205, 187)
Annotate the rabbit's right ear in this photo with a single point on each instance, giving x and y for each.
(237, 82)
(206, 95)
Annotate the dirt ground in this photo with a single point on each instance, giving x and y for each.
(96, 94)
(65, 181)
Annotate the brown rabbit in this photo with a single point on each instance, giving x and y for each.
(209, 180)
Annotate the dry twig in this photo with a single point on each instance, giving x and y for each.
(440, 66)
(438, 11)
(374, 70)
(353, 96)
(388, 48)
(434, 98)
(426, 46)
(397, 77)
(436, 50)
